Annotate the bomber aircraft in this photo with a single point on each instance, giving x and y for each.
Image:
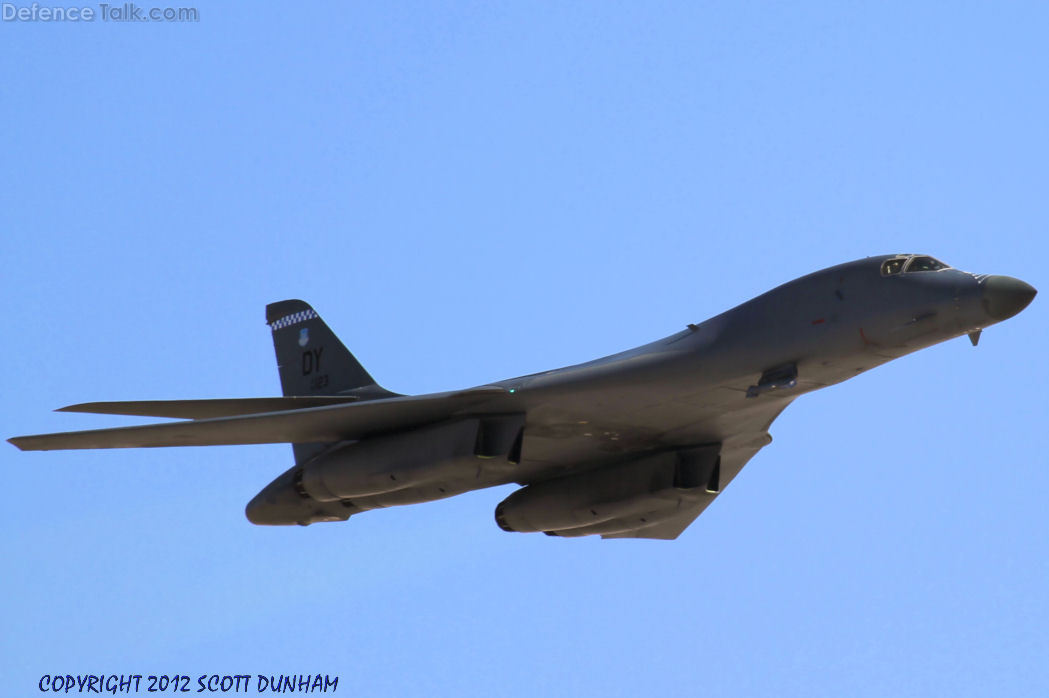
(633, 445)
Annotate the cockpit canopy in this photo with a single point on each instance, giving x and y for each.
(908, 263)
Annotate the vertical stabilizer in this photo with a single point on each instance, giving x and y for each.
(310, 358)
(312, 361)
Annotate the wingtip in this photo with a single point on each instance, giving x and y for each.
(83, 407)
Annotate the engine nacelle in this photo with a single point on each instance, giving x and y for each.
(436, 453)
(420, 465)
(616, 498)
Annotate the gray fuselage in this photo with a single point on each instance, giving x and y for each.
(687, 389)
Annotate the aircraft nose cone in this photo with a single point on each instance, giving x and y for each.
(1004, 296)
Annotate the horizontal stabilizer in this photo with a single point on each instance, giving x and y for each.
(208, 409)
(310, 425)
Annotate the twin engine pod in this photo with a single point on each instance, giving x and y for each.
(406, 467)
(403, 461)
(622, 497)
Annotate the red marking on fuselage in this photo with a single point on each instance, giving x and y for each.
(819, 322)
(865, 340)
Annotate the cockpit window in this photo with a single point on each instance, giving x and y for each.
(893, 266)
(925, 264)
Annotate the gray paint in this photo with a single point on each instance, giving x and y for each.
(636, 444)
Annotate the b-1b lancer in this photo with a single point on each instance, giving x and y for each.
(633, 445)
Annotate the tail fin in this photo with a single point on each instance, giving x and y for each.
(311, 359)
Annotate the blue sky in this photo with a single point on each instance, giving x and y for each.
(471, 192)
